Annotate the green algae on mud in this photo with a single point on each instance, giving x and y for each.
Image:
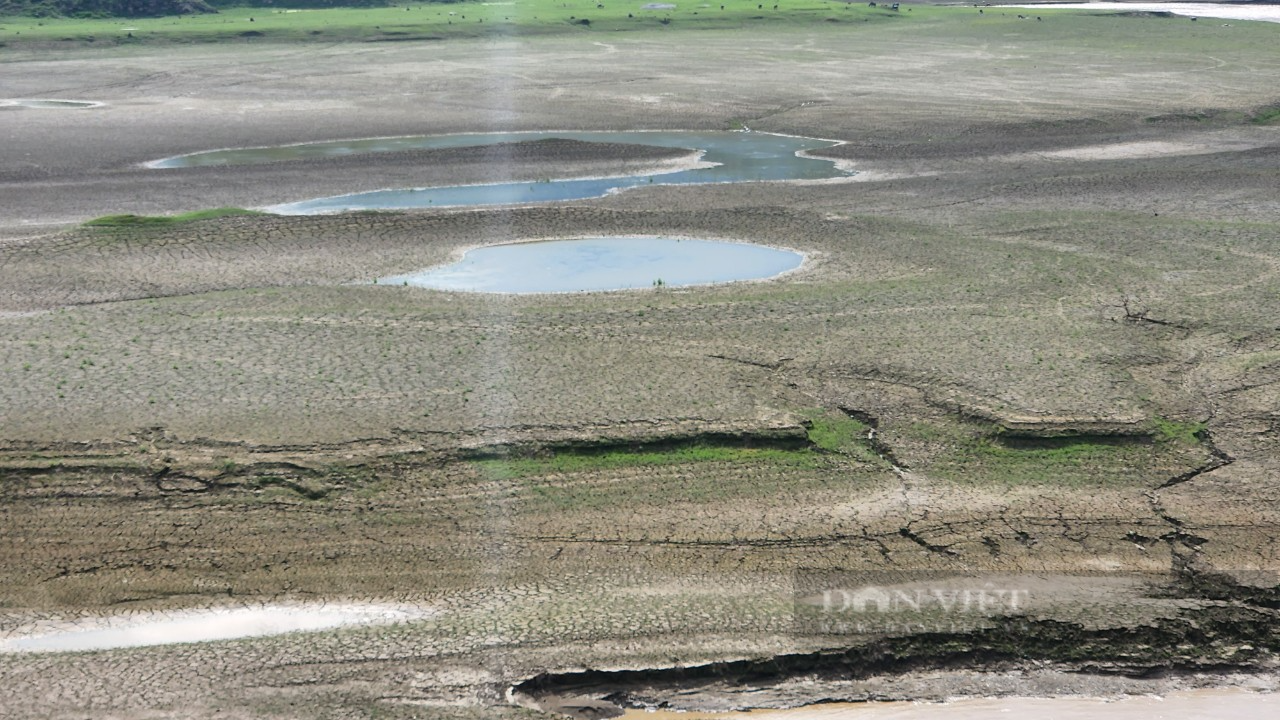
(128, 221)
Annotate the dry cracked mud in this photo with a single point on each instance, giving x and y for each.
(1012, 362)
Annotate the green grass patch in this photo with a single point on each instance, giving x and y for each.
(978, 454)
(835, 433)
(434, 21)
(1266, 116)
(1070, 463)
(578, 462)
(1064, 450)
(829, 432)
(439, 20)
(564, 482)
(1182, 433)
(755, 475)
(154, 220)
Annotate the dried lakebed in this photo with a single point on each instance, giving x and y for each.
(1187, 705)
(607, 263)
(727, 157)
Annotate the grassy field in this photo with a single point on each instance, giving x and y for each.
(586, 18)
(437, 21)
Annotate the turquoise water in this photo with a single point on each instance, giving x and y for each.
(739, 157)
(602, 264)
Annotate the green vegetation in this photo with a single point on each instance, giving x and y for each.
(978, 454)
(89, 9)
(1170, 431)
(838, 433)
(102, 8)
(438, 20)
(1067, 462)
(1267, 116)
(147, 220)
(374, 20)
(829, 432)
(371, 20)
(574, 462)
(744, 480)
(835, 433)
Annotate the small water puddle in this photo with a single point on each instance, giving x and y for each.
(50, 104)
(730, 156)
(189, 626)
(605, 263)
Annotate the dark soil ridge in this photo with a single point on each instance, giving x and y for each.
(1232, 637)
(967, 405)
(789, 438)
(170, 473)
(651, 435)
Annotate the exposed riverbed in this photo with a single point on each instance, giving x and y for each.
(1187, 705)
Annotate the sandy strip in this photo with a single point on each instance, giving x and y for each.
(1133, 150)
(201, 625)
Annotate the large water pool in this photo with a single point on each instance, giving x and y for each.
(733, 156)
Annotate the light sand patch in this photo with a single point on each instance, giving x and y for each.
(1204, 145)
(1262, 12)
(50, 104)
(188, 626)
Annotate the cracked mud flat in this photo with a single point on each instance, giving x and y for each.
(1186, 705)
(1055, 376)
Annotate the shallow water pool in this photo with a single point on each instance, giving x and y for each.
(605, 263)
(733, 156)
